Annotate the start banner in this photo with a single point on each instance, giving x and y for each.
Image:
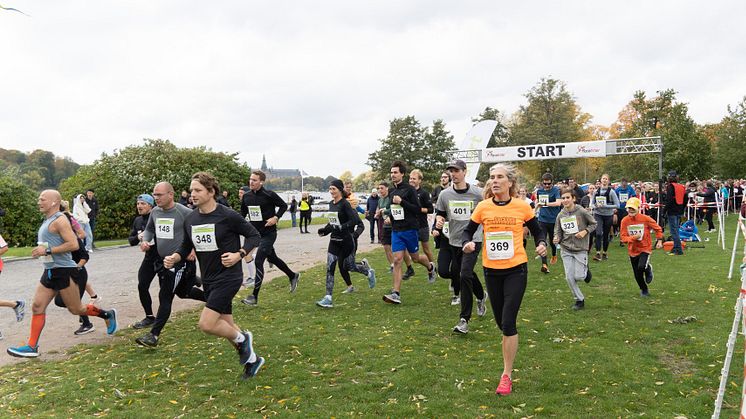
(545, 151)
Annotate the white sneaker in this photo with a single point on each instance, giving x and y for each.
(482, 307)
(455, 300)
(349, 290)
(462, 327)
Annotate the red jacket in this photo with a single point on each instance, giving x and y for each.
(639, 221)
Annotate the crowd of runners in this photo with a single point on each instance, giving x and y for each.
(463, 220)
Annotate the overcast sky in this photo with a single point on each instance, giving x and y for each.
(313, 85)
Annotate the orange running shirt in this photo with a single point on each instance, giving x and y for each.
(503, 232)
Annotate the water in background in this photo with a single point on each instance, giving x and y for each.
(321, 201)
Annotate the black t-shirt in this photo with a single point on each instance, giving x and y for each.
(213, 234)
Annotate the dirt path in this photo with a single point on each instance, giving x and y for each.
(113, 273)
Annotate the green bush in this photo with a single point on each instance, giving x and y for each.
(22, 217)
(119, 178)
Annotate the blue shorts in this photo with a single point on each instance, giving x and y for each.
(408, 239)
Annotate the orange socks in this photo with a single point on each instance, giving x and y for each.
(92, 310)
(37, 324)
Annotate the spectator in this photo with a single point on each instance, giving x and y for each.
(80, 212)
(90, 199)
(292, 209)
(371, 206)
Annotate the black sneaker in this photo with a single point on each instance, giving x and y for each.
(408, 274)
(246, 349)
(649, 274)
(588, 276)
(150, 340)
(144, 323)
(84, 329)
(579, 305)
(252, 368)
(294, 282)
(250, 301)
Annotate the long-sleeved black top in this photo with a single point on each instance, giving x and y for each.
(409, 202)
(426, 203)
(270, 204)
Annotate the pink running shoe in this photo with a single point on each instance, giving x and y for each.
(505, 386)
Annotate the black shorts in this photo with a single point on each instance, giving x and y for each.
(58, 278)
(423, 234)
(219, 294)
(386, 238)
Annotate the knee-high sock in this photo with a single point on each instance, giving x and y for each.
(37, 325)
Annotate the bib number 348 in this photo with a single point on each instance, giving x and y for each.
(203, 237)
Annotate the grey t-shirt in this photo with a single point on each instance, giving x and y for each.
(458, 206)
(168, 228)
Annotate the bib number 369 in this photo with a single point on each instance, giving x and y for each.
(500, 245)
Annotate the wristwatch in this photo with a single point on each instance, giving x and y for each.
(242, 252)
(48, 251)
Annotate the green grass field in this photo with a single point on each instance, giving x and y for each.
(623, 356)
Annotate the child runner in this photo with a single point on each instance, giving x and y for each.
(635, 231)
(572, 231)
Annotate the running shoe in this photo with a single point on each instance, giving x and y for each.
(391, 268)
(644, 293)
(462, 327)
(84, 329)
(455, 300)
(588, 276)
(597, 258)
(408, 274)
(392, 298)
(251, 369)
(371, 278)
(649, 274)
(294, 282)
(432, 274)
(553, 261)
(482, 307)
(246, 349)
(150, 340)
(248, 283)
(144, 323)
(349, 290)
(250, 301)
(365, 263)
(24, 351)
(505, 387)
(579, 305)
(20, 310)
(605, 256)
(544, 268)
(111, 321)
(325, 302)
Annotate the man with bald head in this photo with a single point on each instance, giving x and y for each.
(56, 241)
(165, 230)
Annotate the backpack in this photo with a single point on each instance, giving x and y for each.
(679, 193)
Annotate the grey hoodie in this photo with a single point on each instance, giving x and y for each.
(570, 222)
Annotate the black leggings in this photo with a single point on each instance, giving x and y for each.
(185, 274)
(641, 268)
(145, 276)
(462, 268)
(80, 281)
(267, 252)
(603, 229)
(549, 234)
(445, 259)
(506, 288)
(305, 216)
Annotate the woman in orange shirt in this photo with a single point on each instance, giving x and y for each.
(635, 230)
(504, 258)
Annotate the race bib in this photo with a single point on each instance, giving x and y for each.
(633, 229)
(164, 228)
(499, 245)
(446, 230)
(333, 219)
(203, 237)
(460, 210)
(543, 199)
(397, 212)
(700, 200)
(569, 224)
(600, 201)
(623, 197)
(255, 213)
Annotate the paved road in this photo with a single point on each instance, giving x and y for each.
(113, 273)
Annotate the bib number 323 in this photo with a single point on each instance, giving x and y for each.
(500, 245)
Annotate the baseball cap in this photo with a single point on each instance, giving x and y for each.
(147, 198)
(633, 203)
(457, 164)
(374, 190)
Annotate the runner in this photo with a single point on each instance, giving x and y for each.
(455, 204)
(404, 209)
(624, 191)
(165, 231)
(635, 231)
(384, 213)
(504, 259)
(342, 221)
(146, 273)
(445, 181)
(605, 204)
(423, 231)
(572, 229)
(263, 209)
(213, 232)
(548, 202)
(18, 306)
(56, 240)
